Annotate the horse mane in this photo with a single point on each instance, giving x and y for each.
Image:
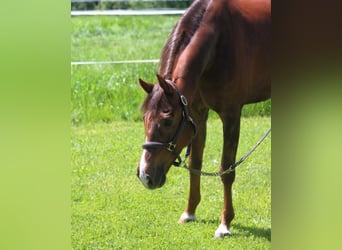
(181, 36)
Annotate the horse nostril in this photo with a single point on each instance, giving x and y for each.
(149, 181)
(146, 180)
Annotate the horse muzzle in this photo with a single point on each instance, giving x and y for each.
(151, 181)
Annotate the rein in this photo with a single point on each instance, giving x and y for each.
(230, 169)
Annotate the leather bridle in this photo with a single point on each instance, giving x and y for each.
(171, 146)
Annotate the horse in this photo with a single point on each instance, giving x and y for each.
(217, 57)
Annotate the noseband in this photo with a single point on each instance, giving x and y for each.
(171, 146)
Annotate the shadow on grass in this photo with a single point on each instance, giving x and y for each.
(244, 231)
(256, 231)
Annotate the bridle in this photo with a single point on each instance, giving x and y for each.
(171, 146)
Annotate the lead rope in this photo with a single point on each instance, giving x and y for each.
(230, 169)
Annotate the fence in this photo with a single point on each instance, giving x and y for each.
(125, 12)
(96, 1)
(115, 62)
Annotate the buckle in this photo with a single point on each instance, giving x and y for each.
(184, 100)
(171, 146)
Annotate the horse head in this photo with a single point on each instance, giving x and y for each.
(168, 129)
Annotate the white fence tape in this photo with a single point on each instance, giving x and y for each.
(115, 62)
(125, 12)
(91, 1)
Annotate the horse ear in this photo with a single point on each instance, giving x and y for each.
(146, 86)
(165, 86)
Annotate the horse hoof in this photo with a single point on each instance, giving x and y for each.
(222, 231)
(185, 217)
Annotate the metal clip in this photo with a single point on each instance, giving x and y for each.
(171, 147)
(184, 100)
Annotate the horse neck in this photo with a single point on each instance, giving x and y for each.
(191, 55)
(194, 60)
(187, 86)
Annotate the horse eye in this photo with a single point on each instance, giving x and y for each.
(166, 111)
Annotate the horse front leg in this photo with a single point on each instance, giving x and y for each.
(231, 130)
(195, 162)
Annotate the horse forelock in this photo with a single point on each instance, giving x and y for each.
(158, 100)
(152, 102)
(181, 36)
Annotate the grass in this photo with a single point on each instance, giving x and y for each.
(119, 38)
(105, 93)
(111, 92)
(112, 210)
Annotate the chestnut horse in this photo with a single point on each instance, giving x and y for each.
(217, 57)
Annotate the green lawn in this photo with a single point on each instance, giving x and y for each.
(111, 92)
(112, 210)
(110, 38)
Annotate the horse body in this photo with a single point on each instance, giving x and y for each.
(218, 57)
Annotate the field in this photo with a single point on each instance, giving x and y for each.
(110, 207)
